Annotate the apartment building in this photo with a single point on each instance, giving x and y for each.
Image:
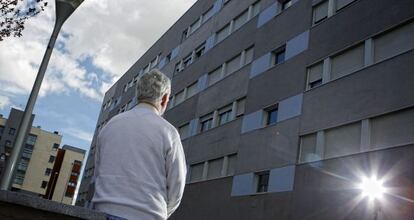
(44, 169)
(65, 174)
(284, 106)
(37, 157)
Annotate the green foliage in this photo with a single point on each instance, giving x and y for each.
(14, 14)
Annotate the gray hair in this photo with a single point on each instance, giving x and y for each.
(152, 86)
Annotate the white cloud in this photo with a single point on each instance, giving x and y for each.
(117, 33)
(114, 34)
(4, 101)
(79, 134)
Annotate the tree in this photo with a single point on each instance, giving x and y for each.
(14, 13)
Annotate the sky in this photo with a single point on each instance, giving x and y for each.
(99, 42)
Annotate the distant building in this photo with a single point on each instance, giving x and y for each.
(38, 161)
(280, 102)
(65, 174)
(37, 157)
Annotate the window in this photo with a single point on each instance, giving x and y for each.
(315, 75)
(278, 56)
(342, 3)
(130, 84)
(241, 19)
(262, 181)
(206, 122)
(192, 90)
(249, 55)
(69, 193)
(23, 164)
(231, 164)
(187, 61)
(147, 68)
(225, 115)
(179, 97)
(8, 143)
(178, 68)
(154, 62)
(286, 4)
(271, 115)
(347, 62)
(196, 172)
(256, 8)
(55, 146)
(31, 139)
(214, 76)
(170, 103)
(343, 140)
(233, 65)
(48, 171)
(223, 33)
(240, 107)
(44, 184)
(208, 14)
(200, 51)
(320, 12)
(123, 109)
(19, 177)
(1, 129)
(12, 131)
(185, 34)
(167, 58)
(308, 148)
(125, 88)
(184, 131)
(134, 82)
(27, 151)
(394, 42)
(392, 129)
(195, 26)
(51, 159)
(214, 168)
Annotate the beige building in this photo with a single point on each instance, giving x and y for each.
(65, 174)
(37, 160)
(44, 169)
(37, 156)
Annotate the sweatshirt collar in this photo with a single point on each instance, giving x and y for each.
(148, 106)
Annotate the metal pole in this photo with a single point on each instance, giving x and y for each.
(24, 124)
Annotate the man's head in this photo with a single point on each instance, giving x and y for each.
(154, 87)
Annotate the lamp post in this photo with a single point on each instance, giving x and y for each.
(64, 8)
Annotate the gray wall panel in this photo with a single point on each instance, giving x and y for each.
(375, 90)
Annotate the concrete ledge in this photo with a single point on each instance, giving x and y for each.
(15, 205)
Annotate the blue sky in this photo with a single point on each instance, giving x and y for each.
(97, 44)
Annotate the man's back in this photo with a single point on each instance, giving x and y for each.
(138, 156)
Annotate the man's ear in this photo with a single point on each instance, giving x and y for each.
(164, 99)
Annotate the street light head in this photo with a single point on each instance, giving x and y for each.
(372, 188)
(74, 3)
(64, 8)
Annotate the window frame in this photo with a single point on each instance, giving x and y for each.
(262, 181)
(268, 113)
(315, 22)
(206, 120)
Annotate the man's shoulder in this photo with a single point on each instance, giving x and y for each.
(167, 125)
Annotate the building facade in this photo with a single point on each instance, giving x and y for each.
(284, 106)
(42, 163)
(65, 175)
(37, 157)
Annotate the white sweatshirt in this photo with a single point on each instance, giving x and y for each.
(140, 166)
